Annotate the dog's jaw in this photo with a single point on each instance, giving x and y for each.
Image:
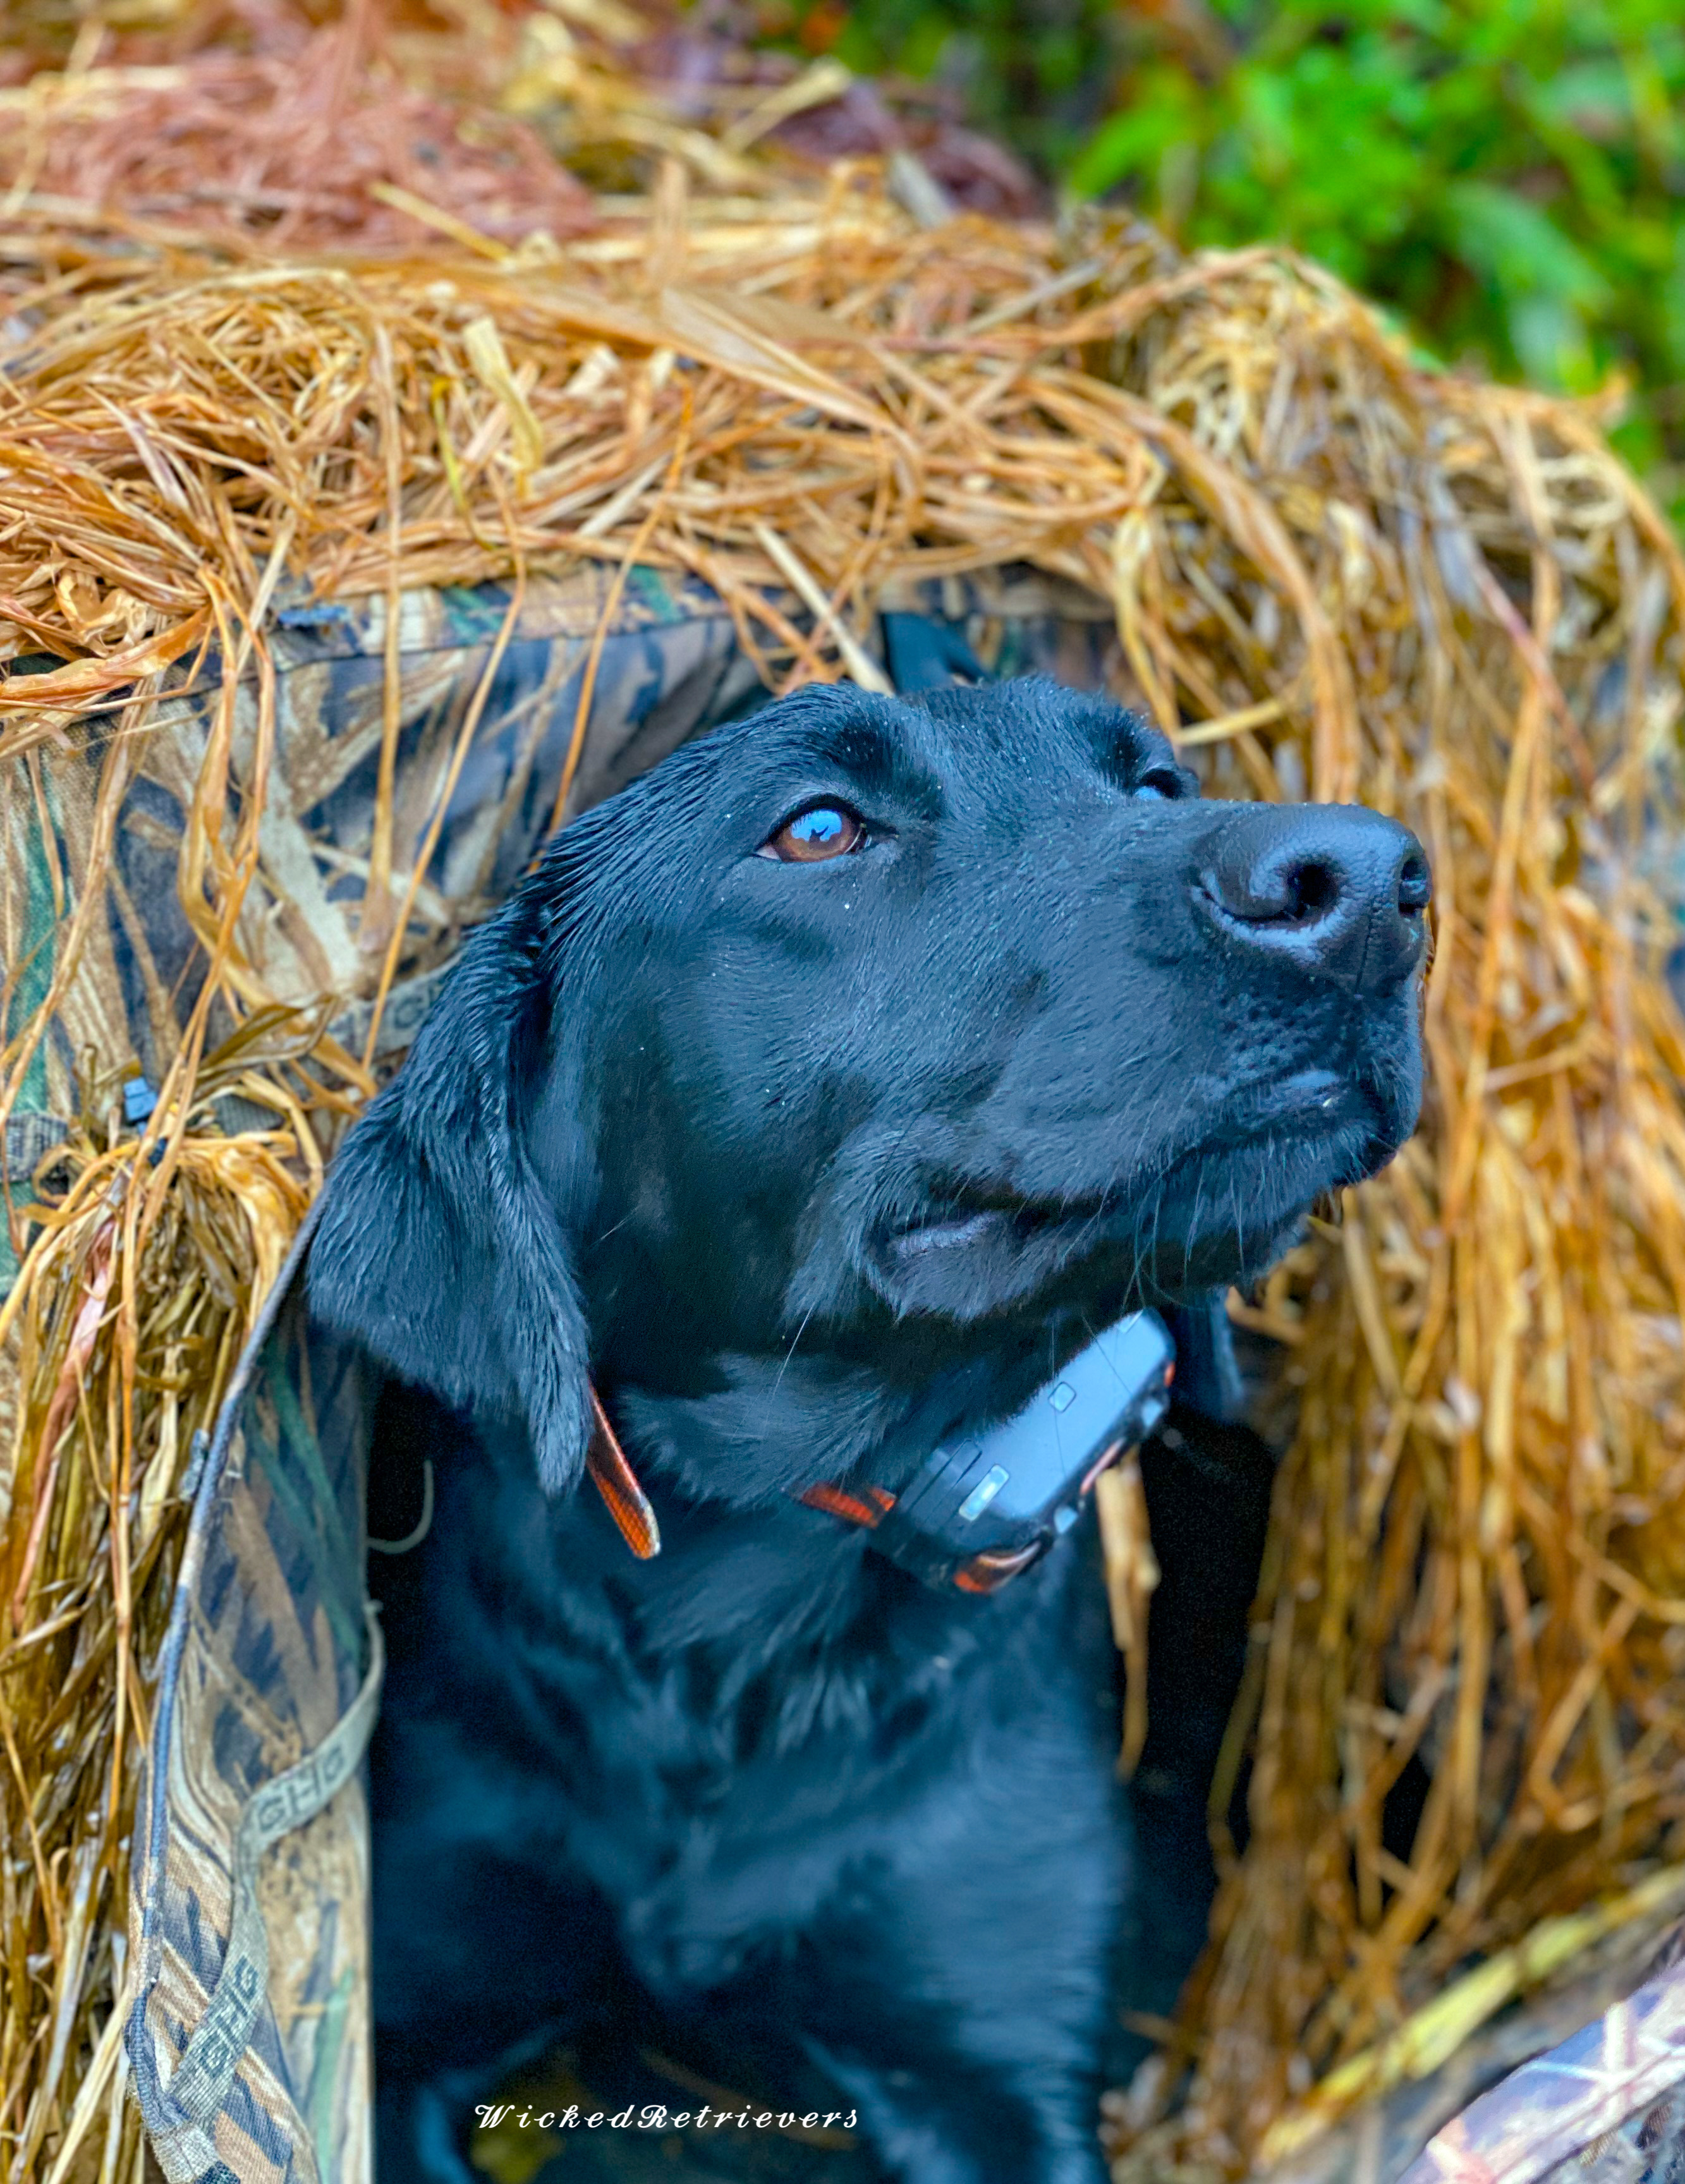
(927, 1240)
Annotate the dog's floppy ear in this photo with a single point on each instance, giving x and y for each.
(438, 1249)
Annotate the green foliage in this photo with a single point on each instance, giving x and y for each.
(1036, 73)
(1506, 177)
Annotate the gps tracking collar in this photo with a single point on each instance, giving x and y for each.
(985, 1506)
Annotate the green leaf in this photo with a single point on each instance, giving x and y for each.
(1516, 246)
(1130, 145)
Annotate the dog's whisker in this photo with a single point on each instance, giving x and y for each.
(784, 1366)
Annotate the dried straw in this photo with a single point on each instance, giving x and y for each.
(1329, 574)
(128, 1338)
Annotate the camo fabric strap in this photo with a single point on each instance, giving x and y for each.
(202, 2083)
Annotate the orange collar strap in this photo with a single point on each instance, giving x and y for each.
(629, 1506)
(618, 1483)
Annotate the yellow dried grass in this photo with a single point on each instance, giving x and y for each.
(1330, 574)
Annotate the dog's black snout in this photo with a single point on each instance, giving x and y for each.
(1338, 891)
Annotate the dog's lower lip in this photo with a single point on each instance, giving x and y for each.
(944, 1235)
(1315, 1087)
(951, 1226)
(1312, 1101)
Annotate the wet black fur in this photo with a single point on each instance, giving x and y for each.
(807, 1163)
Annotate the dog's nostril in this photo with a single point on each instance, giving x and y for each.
(1415, 885)
(1312, 888)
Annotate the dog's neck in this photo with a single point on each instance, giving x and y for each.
(766, 1428)
(741, 1557)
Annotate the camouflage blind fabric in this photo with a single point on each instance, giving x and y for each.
(248, 2035)
(248, 2032)
(1606, 2106)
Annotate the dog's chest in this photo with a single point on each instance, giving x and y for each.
(713, 1740)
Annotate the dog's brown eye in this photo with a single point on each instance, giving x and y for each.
(821, 830)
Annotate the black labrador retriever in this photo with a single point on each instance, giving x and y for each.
(868, 1055)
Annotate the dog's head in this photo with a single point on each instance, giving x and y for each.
(908, 1026)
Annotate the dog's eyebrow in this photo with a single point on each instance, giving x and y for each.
(884, 761)
(1125, 742)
